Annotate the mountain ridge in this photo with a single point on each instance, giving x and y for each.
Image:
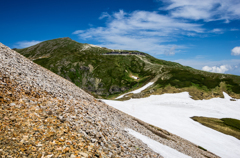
(108, 76)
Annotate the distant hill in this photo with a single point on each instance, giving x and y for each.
(107, 75)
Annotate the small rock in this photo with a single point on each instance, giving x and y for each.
(83, 154)
(12, 104)
(39, 145)
(60, 148)
(72, 156)
(48, 156)
(12, 118)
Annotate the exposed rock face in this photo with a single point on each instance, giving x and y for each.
(44, 115)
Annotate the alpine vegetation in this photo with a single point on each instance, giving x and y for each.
(107, 73)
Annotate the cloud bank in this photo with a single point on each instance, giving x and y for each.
(151, 32)
(140, 30)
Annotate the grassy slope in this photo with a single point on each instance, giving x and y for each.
(109, 75)
(226, 125)
(99, 74)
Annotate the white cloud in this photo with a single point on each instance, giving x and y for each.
(119, 15)
(104, 15)
(78, 32)
(171, 51)
(207, 68)
(207, 10)
(236, 51)
(140, 30)
(220, 69)
(217, 30)
(24, 44)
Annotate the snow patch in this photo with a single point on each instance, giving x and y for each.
(163, 150)
(138, 90)
(142, 88)
(226, 96)
(135, 77)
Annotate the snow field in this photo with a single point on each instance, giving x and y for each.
(172, 112)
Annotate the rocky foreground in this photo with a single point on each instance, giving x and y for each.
(44, 115)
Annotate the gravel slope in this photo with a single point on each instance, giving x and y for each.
(44, 115)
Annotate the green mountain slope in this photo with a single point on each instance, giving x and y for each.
(107, 76)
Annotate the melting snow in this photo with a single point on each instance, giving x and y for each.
(172, 112)
(134, 77)
(163, 150)
(138, 90)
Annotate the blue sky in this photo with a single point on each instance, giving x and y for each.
(204, 34)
